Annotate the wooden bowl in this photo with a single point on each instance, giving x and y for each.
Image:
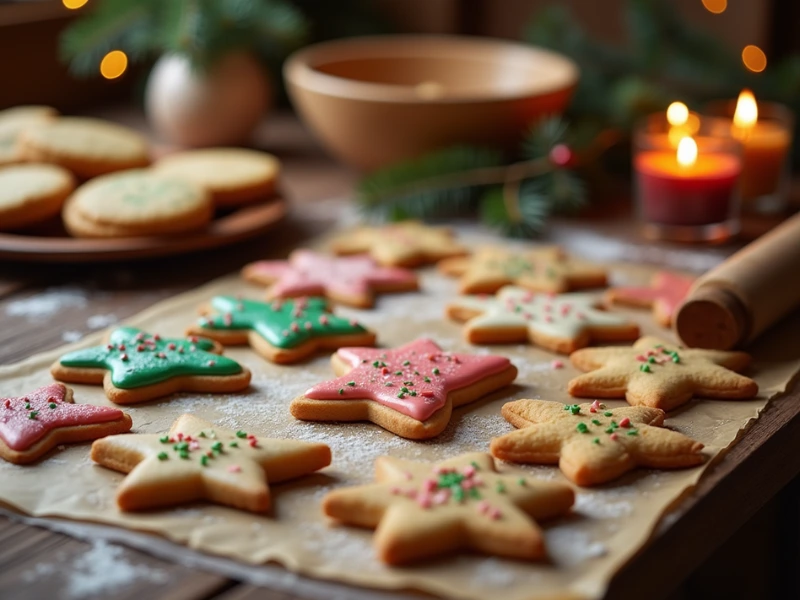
(376, 100)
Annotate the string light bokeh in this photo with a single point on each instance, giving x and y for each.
(114, 64)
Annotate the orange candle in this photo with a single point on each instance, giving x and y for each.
(765, 146)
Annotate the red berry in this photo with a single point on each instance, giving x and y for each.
(561, 155)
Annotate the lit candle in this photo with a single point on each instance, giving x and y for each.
(765, 148)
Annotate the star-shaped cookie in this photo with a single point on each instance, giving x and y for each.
(32, 425)
(592, 443)
(135, 366)
(544, 269)
(420, 510)
(282, 331)
(198, 461)
(410, 391)
(665, 294)
(656, 373)
(561, 323)
(352, 280)
(404, 244)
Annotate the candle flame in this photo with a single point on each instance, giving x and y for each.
(687, 152)
(746, 113)
(677, 114)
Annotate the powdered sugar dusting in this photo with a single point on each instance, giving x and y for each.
(101, 321)
(47, 303)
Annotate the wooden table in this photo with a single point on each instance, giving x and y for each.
(741, 521)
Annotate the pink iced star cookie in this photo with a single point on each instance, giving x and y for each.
(664, 294)
(410, 391)
(33, 424)
(420, 510)
(352, 280)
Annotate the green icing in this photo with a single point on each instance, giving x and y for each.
(146, 360)
(285, 323)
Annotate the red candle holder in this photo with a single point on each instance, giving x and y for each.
(686, 179)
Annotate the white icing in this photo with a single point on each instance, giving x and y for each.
(562, 316)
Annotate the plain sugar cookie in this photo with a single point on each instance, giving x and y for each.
(233, 176)
(87, 147)
(137, 203)
(32, 193)
(13, 121)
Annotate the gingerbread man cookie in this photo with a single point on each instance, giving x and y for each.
(592, 443)
(659, 374)
(561, 323)
(410, 391)
(664, 295)
(198, 461)
(282, 331)
(420, 510)
(135, 366)
(34, 424)
(351, 280)
(545, 269)
(404, 244)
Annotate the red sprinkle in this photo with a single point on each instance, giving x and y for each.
(295, 327)
(323, 320)
(161, 355)
(557, 364)
(171, 346)
(614, 437)
(427, 394)
(308, 325)
(121, 347)
(180, 437)
(211, 363)
(253, 442)
(140, 348)
(156, 337)
(626, 422)
(109, 346)
(123, 356)
(234, 469)
(8, 403)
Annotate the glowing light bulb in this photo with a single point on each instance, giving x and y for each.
(754, 58)
(677, 114)
(715, 6)
(114, 64)
(687, 152)
(746, 114)
(74, 4)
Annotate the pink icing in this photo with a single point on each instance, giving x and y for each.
(667, 289)
(19, 431)
(307, 273)
(381, 383)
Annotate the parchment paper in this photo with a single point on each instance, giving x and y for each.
(608, 525)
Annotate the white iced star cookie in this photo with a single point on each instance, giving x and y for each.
(559, 322)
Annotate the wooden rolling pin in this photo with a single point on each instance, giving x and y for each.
(734, 303)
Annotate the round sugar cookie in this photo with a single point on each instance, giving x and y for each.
(137, 203)
(87, 147)
(12, 122)
(31, 193)
(234, 176)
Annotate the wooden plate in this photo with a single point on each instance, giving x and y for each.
(230, 228)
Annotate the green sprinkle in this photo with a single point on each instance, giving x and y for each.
(163, 456)
(28, 405)
(475, 465)
(501, 487)
(351, 383)
(676, 358)
(610, 430)
(404, 389)
(521, 481)
(164, 439)
(202, 434)
(458, 493)
(614, 424)
(582, 428)
(652, 360)
(406, 363)
(241, 434)
(575, 409)
(633, 432)
(595, 422)
(645, 368)
(427, 380)
(596, 441)
(204, 460)
(436, 371)
(184, 454)
(416, 372)
(401, 395)
(474, 493)
(608, 413)
(216, 446)
(33, 414)
(52, 405)
(658, 346)
(183, 446)
(398, 372)
(377, 363)
(234, 444)
(388, 384)
(413, 393)
(341, 391)
(408, 383)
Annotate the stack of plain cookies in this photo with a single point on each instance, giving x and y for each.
(99, 177)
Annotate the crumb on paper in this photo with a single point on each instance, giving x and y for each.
(47, 303)
(71, 336)
(569, 546)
